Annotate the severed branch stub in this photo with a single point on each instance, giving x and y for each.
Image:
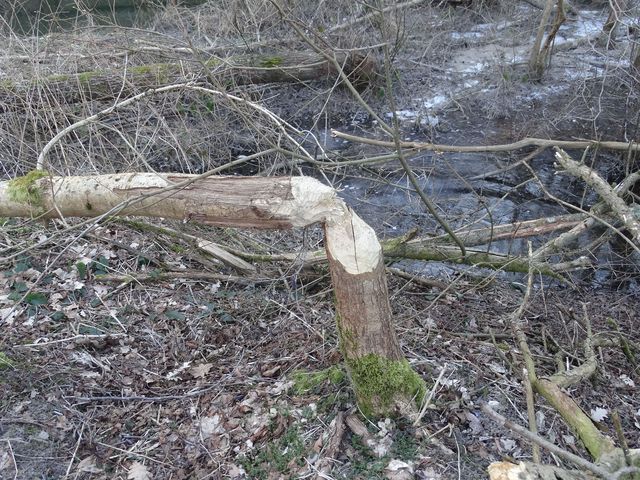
(383, 381)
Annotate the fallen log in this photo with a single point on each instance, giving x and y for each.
(505, 147)
(510, 231)
(235, 70)
(439, 248)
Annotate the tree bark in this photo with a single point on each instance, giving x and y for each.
(536, 64)
(608, 34)
(382, 379)
(236, 70)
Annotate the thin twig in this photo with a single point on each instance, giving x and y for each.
(105, 336)
(75, 452)
(617, 425)
(13, 459)
(181, 274)
(142, 398)
(427, 400)
(531, 414)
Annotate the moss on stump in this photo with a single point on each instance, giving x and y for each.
(381, 384)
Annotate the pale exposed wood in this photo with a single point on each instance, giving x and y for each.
(534, 471)
(250, 202)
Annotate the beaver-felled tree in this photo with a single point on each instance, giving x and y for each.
(382, 379)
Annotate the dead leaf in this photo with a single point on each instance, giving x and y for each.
(5, 459)
(280, 387)
(101, 290)
(382, 446)
(236, 472)
(200, 371)
(627, 381)
(8, 315)
(88, 465)
(271, 372)
(139, 472)
(248, 403)
(398, 470)
(507, 444)
(599, 414)
(474, 423)
(210, 426)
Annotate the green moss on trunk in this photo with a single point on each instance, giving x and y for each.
(272, 62)
(380, 383)
(24, 189)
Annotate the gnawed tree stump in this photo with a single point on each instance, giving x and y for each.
(235, 70)
(382, 379)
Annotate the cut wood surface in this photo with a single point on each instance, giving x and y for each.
(236, 70)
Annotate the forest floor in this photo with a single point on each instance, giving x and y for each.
(173, 376)
(189, 379)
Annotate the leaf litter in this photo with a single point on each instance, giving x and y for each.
(235, 388)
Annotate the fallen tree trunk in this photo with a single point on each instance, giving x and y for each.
(236, 70)
(439, 248)
(382, 379)
(505, 147)
(446, 253)
(509, 231)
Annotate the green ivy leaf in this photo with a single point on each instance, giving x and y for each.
(88, 330)
(82, 270)
(19, 287)
(36, 298)
(57, 316)
(174, 315)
